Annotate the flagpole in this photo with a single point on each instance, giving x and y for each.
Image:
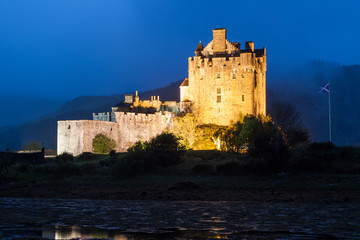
(329, 116)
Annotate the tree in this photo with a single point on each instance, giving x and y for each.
(102, 144)
(185, 128)
(259, 137)
(32, 146)
(288, 120)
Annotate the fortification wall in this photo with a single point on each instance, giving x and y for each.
(69, 137)
(75, 136)
(93, 128)
(140, 126)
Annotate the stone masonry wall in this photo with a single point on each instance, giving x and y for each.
(76, 136)
(134, 127)
(223, 87)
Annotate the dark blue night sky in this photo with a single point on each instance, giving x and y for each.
(64, 49)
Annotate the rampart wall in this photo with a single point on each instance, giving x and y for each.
(140, 126)
(76, 136)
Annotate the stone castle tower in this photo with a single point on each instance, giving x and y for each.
(225, 81)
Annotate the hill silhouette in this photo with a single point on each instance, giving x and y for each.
(44, 129)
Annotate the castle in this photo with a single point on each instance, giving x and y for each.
(224, 82)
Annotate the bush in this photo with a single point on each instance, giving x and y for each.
(229, 168)
(87, 156)
(143, 157)
(166, 142)
(102, 144)
(325, 157)
(112, 153)
(203, 169)
(64, 158)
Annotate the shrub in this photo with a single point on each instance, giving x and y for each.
(102, 144)
(87, 156)
(229, 168)
(163, 150)
(166, 142)
(112, 153)
(203, 169)
(64, 158)
(325, 157)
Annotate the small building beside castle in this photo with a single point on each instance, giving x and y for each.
(224, 82)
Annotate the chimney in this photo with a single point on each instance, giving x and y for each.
(129, 98)
(219, 40)
(249, 46)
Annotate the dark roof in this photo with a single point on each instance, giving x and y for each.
(123, 104)
(200, 47)
(236, 44)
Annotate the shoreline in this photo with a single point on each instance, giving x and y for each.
(111, 192)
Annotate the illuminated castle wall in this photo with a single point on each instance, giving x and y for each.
(224, 82)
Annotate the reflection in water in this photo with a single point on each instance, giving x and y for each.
(137, 220)
(77, 232)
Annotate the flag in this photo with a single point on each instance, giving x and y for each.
(325, 88)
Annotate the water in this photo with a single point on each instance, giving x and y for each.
(118, 219)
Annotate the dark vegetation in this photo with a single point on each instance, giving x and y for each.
(266, 154)
(316, 158)
(161, 151)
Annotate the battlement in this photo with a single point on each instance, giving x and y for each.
(143, 117)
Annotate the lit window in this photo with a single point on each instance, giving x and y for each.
(218, 99)
(218, 75)
(218, 91)
(243, 98)
(234, 76)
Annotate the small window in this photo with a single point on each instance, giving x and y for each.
(243, 98)
(201, 77)
(218, 99)
(218, 90)
(218, 75)
(234, 76)
(69, 127)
